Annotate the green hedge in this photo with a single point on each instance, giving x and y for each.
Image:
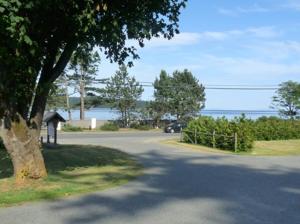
(71, 128)
(224, 130)
(110, 126)
(264, 128)
(274, 128)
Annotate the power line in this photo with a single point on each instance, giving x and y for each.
(208, 87)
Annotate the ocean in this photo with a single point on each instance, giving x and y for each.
(112, 114)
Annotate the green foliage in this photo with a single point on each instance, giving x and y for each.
(224, 130)
(123, 92)
(181, 95)
(287, 99)
(141, 127)
(110, 126)
(273, 128)
(1, 144)
(37, 39)
(262, 129)
(71, 128)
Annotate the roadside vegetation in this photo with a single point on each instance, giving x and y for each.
(240, 133)
(71, 128)
(72, 169)
(260, 148)
(110, 126)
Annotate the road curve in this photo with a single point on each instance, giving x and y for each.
(179, 186)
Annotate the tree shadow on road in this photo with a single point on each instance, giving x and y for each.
(203, 186)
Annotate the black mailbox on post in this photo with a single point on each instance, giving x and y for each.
(52, 119)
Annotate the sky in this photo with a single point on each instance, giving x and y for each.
(232, 42)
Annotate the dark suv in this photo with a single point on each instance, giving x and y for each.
(174, 127)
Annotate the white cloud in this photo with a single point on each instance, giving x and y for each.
(293, 5)
(190, 38)
(181, 39)
(252, 68)
(258, 32)
(244, 10)
(276, 49)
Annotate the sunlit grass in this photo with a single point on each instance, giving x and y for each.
(261, 148)
(72, 170)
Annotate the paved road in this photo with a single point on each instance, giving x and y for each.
(179, 186)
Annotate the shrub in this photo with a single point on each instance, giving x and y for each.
(143, 127)
(110, 126)
(1, 145)
(274, 128)
(71, 128)
(224, 130)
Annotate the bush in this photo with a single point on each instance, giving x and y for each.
(1, 145)
(224, 130)
(109, 127)
(71, 128)
(274, 128)
(143, 127)
(264, 128)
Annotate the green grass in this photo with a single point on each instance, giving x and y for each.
(277, 148)
(261, 148)
(72, 169)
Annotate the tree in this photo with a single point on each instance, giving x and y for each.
(84, 64)
(37, 40)
(59, 97)
(187, 95)
(287, 99)
(180, 94)
(162, 94)
(123, 92)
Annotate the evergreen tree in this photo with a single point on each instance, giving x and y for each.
(123, 92)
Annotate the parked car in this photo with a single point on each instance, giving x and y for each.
(175, 127)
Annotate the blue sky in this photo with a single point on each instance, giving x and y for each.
(232, 42)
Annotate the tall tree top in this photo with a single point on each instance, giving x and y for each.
(38, 37)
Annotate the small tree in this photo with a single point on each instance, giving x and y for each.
(84, 64)
(123, 92)
(188, 96)
(59, 97)
(180, 95)
(287, 99)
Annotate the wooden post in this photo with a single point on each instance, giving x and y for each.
(195, 137)
(214, 139)
(181, 136)
(235, 142)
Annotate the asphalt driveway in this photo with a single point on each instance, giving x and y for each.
(179, 186)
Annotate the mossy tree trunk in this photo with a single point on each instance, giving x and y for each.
(23, 146)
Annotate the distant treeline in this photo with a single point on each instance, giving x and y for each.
(92, 101)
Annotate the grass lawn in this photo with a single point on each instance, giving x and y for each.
(261, 148)
(277, 148)
(72, 169)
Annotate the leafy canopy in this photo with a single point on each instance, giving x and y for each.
(287, 99)
(180, 94)
(38, 37)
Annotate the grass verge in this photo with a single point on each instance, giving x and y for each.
(72, 169)
(261, 148)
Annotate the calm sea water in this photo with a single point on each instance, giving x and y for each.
(109, 114)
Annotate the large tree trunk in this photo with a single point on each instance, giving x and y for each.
(24, 148)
